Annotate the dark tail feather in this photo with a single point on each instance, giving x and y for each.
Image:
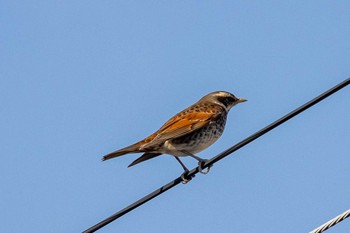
(144, 157)
(130, 149)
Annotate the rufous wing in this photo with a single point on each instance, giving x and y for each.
(181, 125)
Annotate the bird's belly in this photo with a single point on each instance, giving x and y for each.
(198, 140)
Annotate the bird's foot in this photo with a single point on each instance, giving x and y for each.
(185, 177)
(200, 166)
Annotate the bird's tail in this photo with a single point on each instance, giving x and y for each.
(135, 148)
(138, 147)
(144, 157)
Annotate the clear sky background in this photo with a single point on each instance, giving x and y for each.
(80, 79)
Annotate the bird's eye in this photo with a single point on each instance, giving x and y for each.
(226, 100)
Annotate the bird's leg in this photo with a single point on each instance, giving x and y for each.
(201, 162)
(184, 177)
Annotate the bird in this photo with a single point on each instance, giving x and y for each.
(187, 133)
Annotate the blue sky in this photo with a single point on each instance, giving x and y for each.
(80, 79)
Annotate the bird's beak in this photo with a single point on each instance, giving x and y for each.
(241, 100)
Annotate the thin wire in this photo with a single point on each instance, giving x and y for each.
(219, 157)
(332, 222)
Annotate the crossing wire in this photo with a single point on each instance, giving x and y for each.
(219, 156)
(332, 222)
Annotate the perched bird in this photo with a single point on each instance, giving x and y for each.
(187, 133)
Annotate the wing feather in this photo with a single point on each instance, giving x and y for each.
(181, 125)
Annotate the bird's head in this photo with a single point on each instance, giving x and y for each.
(223, 98)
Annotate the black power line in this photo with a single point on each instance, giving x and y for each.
(219, 156)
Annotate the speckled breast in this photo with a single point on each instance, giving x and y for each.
(202, 138)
